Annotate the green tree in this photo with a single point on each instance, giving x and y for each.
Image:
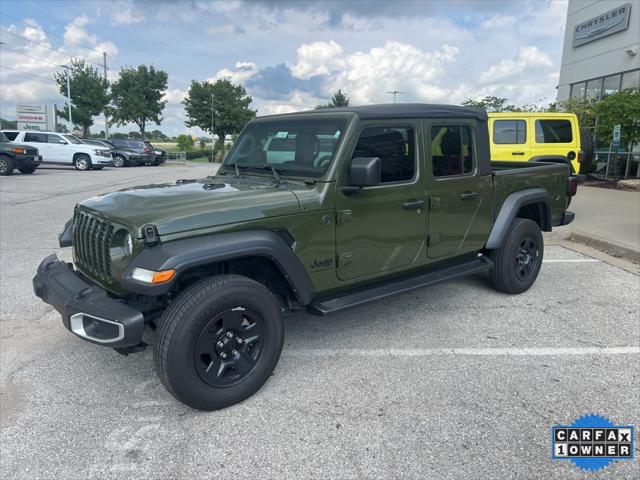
(185, 142)
(8, 124)
(585, 110)
(491, 104)
(158, 135)
(622, 108)
(339, 99)
(89, 93)
(220, 108)
(137, 96)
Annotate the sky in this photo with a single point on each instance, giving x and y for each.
(290, 55)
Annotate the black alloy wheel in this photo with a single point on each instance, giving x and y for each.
(526, 258)
(230, 346)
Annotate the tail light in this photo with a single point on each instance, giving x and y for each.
(147, 150)
(580, 156)
(572, 186)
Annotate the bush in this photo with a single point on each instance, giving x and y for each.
(200, 152)
(185, 142)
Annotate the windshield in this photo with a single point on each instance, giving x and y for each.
(72, 139)
(294, 147)
(3, 137)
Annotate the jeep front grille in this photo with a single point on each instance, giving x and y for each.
(91, 243)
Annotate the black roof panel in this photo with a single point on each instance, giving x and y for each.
(408, 110)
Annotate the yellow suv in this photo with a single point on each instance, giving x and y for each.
(532, 136)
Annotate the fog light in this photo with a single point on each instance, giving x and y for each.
(152, 278)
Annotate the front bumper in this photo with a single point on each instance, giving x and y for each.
(27, 160)
(86, 309)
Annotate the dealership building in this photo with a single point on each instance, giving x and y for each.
(601, 53)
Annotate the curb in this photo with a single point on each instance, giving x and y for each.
(606, 246)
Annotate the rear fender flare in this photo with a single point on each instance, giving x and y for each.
(182, 255)
(510, 208)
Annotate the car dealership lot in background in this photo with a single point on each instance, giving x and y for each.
(453, 381)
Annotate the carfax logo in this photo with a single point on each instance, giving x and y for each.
(592, 442)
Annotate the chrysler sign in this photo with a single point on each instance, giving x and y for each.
(594, 28)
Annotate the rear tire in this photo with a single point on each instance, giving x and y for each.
(6, 166)
(517, 262)
(27, 170)
(82, 162)
(219, 342)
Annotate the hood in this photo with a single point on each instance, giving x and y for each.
(194, 204)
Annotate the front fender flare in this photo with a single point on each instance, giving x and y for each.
(184, 254)
(510, 208)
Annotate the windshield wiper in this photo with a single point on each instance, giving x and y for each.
(273, 169)
(236, 166)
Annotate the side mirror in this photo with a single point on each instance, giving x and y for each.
(365, 171)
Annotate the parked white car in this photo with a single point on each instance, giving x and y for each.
(63, 148)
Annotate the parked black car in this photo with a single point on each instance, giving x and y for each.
(160, 154)
(15, 155)
(122, 157)
(145, 153)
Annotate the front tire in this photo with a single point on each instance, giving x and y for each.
(517, 262)
(27, 170)
(82, 162)
(6, 166)
(219, 342)
(119, 161)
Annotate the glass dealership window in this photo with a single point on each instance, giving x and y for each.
(577, 90)
(610, 85)
(631, 79)
(594, 87)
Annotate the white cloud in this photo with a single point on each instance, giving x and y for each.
(41, 58)
(317, 58)
(296, 102)
(242, 72)
(125, 13)
(528, 58)
(174, 96)
(499, 21)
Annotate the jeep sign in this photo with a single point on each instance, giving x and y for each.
(613, 21)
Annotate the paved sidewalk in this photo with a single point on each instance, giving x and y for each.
(606, 219)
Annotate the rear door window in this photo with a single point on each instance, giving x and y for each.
(35, 137)
(509, 132)
(553, 131)
(451, 150)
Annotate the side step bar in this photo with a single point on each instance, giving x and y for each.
(393, 287)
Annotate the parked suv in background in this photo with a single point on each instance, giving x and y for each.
(22, 157)
(540, 137)
(63, 148)
(136, 146)
(122, 157)
(160, 156)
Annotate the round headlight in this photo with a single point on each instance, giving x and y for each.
(128, 244)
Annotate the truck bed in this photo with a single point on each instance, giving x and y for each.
(510, 177)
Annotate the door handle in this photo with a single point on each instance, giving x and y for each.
(468, 195)
(413, 204)
(517, 153)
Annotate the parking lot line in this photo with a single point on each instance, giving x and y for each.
(571, 260)
(491, 351)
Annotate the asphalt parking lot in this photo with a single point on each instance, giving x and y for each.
(455, 381)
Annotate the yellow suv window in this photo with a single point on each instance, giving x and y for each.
(553, 131)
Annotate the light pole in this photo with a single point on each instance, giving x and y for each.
(68, 95)
(212, 144)
(395, 93)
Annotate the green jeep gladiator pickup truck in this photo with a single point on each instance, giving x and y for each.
(321, 210)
